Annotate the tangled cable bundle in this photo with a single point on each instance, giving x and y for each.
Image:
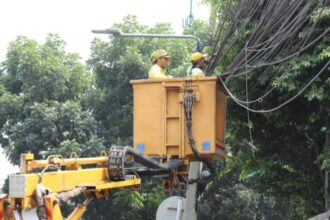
(274, 32)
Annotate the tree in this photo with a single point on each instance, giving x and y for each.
(42, 88)
(288, 140)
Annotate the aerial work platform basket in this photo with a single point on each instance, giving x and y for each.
(159, 118)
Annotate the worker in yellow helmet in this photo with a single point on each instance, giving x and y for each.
(198, 61)
(160, 59)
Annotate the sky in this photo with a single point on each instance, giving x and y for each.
(73, 20)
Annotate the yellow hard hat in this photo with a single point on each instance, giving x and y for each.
(197, 56)
(158, 54)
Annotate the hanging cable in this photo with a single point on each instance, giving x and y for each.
(265, 64)
(247, 100)
(273, 33)
(237, 101)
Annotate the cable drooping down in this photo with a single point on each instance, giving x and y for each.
(274, 32)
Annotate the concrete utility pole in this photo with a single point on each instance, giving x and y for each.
(189, 20)
(326, 214)
(326, 179)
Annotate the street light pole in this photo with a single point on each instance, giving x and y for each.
(118, 33)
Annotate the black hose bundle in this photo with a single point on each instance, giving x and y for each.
(273, 32)
(151, 163)
(188, 103)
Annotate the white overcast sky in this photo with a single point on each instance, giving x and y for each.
(73, 20)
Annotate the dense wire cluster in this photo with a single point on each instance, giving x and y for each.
(272, 32)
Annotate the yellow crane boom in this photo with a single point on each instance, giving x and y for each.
(179, 124)
(44, 190)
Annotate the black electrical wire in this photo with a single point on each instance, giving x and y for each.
(275, 32)
(239, 102)
(280, 60)
(274, 27)
(283, 34)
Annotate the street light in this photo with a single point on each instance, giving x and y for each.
(118, 33)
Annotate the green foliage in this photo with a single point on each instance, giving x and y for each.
(151, 202)
(41, 89)
(44, 72)
(289, 158)
(128, 204)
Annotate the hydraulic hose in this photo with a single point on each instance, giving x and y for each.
(117, 157)
(151, 163)
(188, 103)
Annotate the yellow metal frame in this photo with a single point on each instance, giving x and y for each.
(77, 212)
(159, 130)
(65, 180)
(52, 207)
(54, 212)
(6, 210)
(2, 206)
(118, 184)
(95, 179)
(28, 164)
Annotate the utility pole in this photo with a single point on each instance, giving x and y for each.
(326, 150)
(188, 21)
(326, 179)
